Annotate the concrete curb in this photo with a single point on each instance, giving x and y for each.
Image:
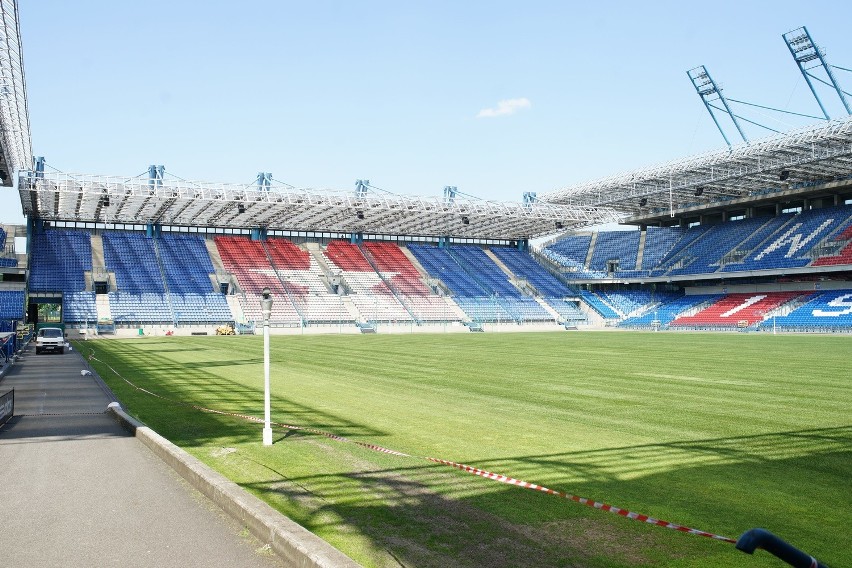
(293, 543)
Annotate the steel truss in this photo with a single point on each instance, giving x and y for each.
(171, 202)
(15, 141)
(806, 156)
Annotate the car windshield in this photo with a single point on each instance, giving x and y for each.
(51, 333)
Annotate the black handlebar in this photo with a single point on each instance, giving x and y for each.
(763, 539)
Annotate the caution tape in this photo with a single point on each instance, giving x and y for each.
(461, 467)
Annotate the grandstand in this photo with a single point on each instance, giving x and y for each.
(724, 240)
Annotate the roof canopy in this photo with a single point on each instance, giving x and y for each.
(56, 196)
(805, 157)
(15, 142)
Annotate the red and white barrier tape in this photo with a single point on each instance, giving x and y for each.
(461, 467)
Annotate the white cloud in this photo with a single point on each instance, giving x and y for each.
(505, 107)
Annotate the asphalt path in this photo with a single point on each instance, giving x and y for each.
(76, 489)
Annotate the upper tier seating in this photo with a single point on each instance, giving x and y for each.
(703, 255)
(729, 311)
(6, 256)
(691, 234)
(302, 278)
(59, 259)
(739, 253)
(370, 294)
(830, 310)
(658, 242)
(11, 304)
(615, 245)
(844, 255)
(790, 246)
(574, 247)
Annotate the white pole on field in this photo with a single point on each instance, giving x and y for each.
(266, 305)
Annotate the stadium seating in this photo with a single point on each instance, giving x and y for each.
(140, 295)
(552, 290)
(844, 255)
(132, 257)
(6, 258)
(79, 307)
(658, 242)
(738, 254)
(599, 305)
(59, 259)
(671, 306)
(626, 301)
(139, 308)
(478, 285)
(822, 311)
(247, 261)
(704, 254)
(11, 304)
(523, 265)
(303, 280)
(736, 310)
(669, 259)
(406, 282)
(200, 308)
(186, 263)
(791, 245)
(372, 297)
(622, 246)
(573, 247)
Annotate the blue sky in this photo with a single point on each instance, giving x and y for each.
(405, 94)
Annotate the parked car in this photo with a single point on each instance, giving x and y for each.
(50, 339)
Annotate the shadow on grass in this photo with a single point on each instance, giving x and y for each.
(428, 515)
(183, 384)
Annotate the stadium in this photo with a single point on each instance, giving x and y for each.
(738, 267)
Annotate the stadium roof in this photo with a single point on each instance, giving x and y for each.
(15, 141)
(800, 158)
(103, 199)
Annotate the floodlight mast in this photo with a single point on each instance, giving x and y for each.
(266, 305)
(804, 50)
(706, 87)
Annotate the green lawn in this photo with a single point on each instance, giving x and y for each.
(721, 432)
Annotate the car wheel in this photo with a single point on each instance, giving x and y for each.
(62, 351)
(38, 351)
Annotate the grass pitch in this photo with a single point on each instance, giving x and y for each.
(721, 432)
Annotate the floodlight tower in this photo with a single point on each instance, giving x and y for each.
(804, 50)
(706, 88)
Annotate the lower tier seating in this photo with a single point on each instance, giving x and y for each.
(823, 311)
(736, 310)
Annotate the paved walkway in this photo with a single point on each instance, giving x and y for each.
(77, 490)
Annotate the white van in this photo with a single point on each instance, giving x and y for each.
(50, 339)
